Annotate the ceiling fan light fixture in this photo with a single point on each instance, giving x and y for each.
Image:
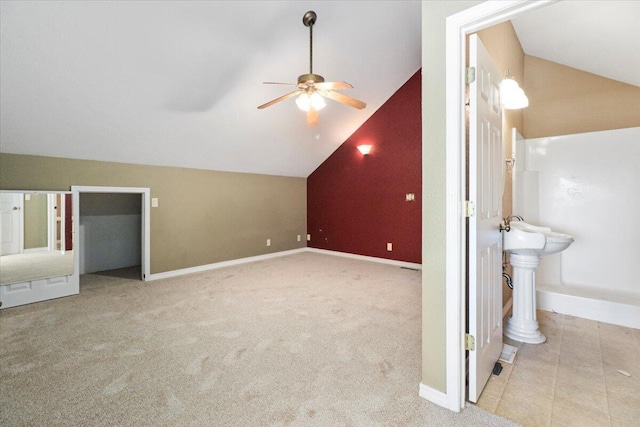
(311, 88)
(305, 102)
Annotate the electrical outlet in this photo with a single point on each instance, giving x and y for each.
(299, 237)
(308, 237)
(389, 247)
(268, 242)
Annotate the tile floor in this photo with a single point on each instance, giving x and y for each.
(572, 379)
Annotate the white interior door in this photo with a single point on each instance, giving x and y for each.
(11, 223)
(486, 162)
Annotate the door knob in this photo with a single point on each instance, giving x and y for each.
(16, 208)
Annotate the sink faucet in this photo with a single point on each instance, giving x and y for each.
(505, 225)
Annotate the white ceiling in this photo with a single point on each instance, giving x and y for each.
(178, 83)
(600, 37)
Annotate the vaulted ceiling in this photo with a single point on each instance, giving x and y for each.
(600, 37)
(177, 83)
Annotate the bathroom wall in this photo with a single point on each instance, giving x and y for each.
(587, 185)
(565, 100)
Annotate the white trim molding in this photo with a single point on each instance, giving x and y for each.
(403, 264)
(433, 395)
(238, 261)
(221, 264)
(146, 222)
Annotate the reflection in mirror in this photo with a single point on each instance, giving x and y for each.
(36, 231)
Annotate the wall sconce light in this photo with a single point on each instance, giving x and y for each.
(513, 97)
(364, 149)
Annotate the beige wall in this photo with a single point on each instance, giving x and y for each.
(35, 221)
(504, 48)
(564, 100)
(434, 362)
(203, 216)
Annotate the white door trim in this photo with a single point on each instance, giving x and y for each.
(457, 27)
(146, 223)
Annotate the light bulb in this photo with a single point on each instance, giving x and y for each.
(513, 97)
(317, 101)
(508, 86)
(365, 149)
(305, 102)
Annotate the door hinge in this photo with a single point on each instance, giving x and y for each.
(470, 75)
(469, 342)
(469, 208)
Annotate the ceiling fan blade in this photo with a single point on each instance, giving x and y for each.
(282, 98)
(278, 83)
(313, 118)
(352, 102)
(333, 85)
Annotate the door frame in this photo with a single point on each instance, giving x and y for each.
(458, 26)
(145, 216)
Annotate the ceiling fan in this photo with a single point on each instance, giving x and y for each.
(311, 88)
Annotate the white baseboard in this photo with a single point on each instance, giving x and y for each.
(404, 264)
(434, 396)
(200, 268)
(587, 307)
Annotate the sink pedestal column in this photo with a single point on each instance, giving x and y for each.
(522, 325)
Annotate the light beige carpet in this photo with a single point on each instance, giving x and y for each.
(305, 340)
(35, 265)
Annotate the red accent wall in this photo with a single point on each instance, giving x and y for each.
(355, 203)
(68, 224)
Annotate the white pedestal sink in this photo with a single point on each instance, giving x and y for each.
(526, 243)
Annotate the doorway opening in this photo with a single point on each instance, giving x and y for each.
(458, 26)
(103, 212)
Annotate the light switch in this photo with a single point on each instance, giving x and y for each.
(154, 202)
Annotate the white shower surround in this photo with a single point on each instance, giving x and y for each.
(586, 185)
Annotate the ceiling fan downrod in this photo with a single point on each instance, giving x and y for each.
(308, 20)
